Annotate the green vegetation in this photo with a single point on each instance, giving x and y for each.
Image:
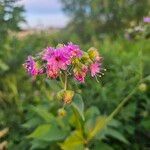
(29, 108)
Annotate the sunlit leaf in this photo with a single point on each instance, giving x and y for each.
(100, 125)
(73, 142)
(3, 66)
(47, 132)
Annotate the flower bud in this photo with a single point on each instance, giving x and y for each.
(142, 87)
(68, 96)
(60, 95)
(62, 112)
(93, 53)
(75, 61)
(60, 45)
(85, 58)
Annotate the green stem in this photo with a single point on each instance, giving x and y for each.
(117, 110)
(125, 100)
(61, 80)
(65, 84)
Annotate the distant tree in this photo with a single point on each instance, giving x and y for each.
(10, 17)
(95, 17)
(11, 14)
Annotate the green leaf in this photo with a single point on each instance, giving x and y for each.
(91, 112)
(47, 132)
(100, 125)
(114, 123)
(78, 105)
(89, 125)
(102, 146)
(38, 144)
(117, 135)
(3, 66)
(33, 122)
(43, 113)
(146, 124)
(73, 142)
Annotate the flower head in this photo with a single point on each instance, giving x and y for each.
(48, 52)
(146, 19)
(93, 54)
(95, 69)
(73, 50)
(80, 74)
(31, 66)
(52, 71)
(66, 59)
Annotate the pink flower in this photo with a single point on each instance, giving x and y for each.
(48, 52)
(95, 69)
(146, 19)
(30, 66)
(80, 75)
(60, 59)
(73, 50)
(52, 71)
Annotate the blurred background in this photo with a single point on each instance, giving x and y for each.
(122, 35)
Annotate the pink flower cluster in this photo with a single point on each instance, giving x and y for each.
(67, 58)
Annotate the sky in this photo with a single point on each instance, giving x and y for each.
(43, 14)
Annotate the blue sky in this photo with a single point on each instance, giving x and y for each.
(44, 13)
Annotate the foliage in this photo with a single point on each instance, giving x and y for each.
(30, 112)
(10, 17)
(97, 18)
(34, 104)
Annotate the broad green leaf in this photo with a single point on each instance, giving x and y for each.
(91, 112)
(43, 113)
(47, 132)
(78, 105)
(73, 142)
(89, 125)
(33, 122)
(3, 66)
(102, 146)
(146, 124)
(38, 144)
(100, 125)
(117, 135)
(114, 123)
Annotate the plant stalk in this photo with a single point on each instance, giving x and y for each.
(65, 84)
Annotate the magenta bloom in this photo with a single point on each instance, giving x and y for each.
(73, 50)
(59, 59)
(80, 75)
(95, 69)
(65, 59)
(146, 19)
(48, 52)
(30, 66)
(52, 71)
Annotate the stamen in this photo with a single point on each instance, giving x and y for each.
(96, 79)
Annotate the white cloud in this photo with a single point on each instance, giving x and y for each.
(44, 13)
